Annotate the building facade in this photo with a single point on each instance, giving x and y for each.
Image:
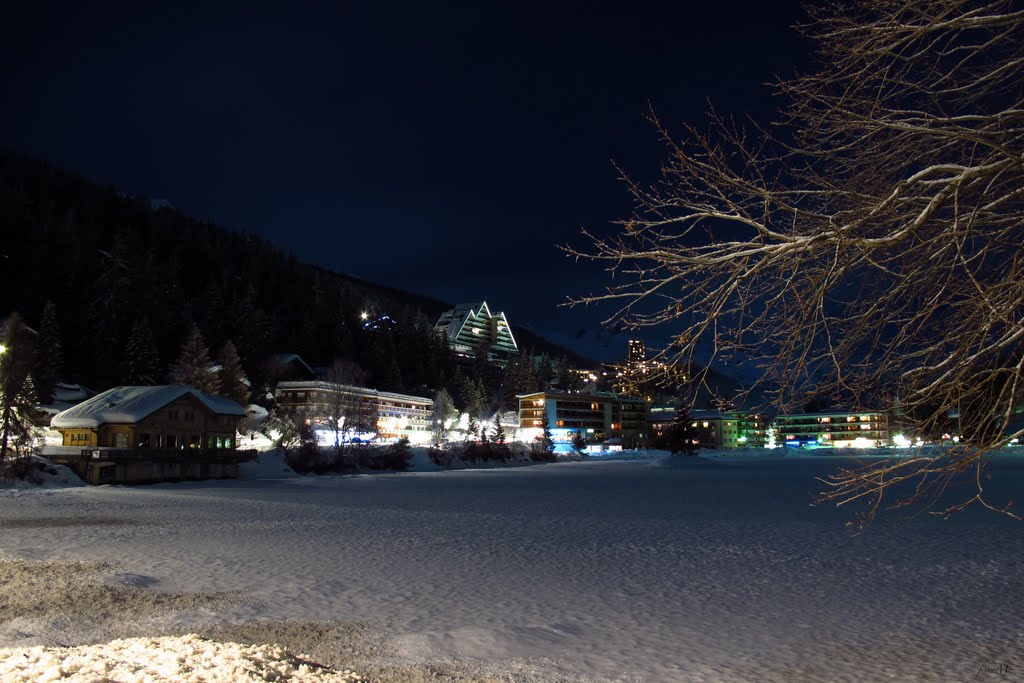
(468, 327)
(390, 415)
(732, 429)
(597, 417)
(834, 428)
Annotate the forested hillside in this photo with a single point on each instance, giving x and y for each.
(122, 275)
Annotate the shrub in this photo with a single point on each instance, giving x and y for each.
(442, 457)
(395, 457)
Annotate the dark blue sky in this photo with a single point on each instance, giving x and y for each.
(441, 149)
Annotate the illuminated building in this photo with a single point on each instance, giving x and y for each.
(636, 352)
(732, 429)
(467, 327)
(597, 417)
(640, 376)
(395, 415)
(834, 428)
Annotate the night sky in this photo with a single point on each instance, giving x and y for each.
(441, 149)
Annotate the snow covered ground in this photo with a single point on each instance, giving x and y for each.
(694, 569)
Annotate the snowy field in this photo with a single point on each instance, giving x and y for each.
(700, 569)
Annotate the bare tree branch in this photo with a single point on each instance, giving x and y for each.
(868, 246)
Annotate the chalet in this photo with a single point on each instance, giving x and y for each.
(138, 435)
(161, 417)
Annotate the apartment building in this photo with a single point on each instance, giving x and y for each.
(390, 415)
(598, 417)
(834, 428)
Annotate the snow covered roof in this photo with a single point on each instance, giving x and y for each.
(72, 393)
(131, 404)
(710, 414)
(282, 359)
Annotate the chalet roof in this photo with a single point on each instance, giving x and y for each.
(288, 358)
(122, 405)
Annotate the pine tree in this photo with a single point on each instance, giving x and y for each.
(252, 329)
(444, 410)
(111, 299)
(193, 366)
(49, 356)
(681, 437)
(519, 379)
(233, 382)
(140, 366)
(545, 372)
(17, 396)
(543, 447)
(547, 438)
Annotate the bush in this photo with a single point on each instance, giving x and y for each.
(442, 457)
(395, 457)
(539, 452)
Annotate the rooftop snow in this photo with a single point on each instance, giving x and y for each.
(131, 404)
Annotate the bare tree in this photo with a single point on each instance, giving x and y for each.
(342, 408)
(866, 248)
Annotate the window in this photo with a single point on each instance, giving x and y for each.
(143, 440)
(172, 441)
(211, 442)
(121, 440)
(196, 442)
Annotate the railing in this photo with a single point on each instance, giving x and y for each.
(179, 455)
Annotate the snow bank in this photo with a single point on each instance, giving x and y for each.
(147, 660)
(421, 461)
(631, 455)
(45, 474)
(268, 465)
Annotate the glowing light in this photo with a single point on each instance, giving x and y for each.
(364, 315)
(861, 442)
(901, 441)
